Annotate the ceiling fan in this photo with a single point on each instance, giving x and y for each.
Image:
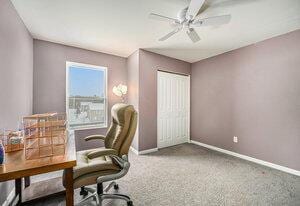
(186, 19)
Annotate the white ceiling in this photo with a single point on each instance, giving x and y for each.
(120, 27)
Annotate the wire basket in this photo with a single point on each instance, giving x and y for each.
(12, 140)
(44, 135)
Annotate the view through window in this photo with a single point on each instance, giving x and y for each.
(86, 95)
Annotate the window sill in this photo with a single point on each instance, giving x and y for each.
(87, 127)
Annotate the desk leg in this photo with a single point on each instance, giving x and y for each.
(18, 190)
(69, 187)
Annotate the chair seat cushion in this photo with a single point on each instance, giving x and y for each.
(90, 169)
(91, 178)
(86, 165)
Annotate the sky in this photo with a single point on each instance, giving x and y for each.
(85, 82)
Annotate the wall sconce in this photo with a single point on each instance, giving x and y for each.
(120, 91)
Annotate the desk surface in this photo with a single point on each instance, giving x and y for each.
(16, 166)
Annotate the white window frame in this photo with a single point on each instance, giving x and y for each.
(94, 67)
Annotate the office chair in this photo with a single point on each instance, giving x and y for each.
(108, 163)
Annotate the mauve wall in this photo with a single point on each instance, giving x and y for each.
(49, 80)
(252, 93)
(133, 88)
(16, 56)
(149, 64)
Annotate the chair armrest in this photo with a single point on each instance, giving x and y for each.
(123, 163)
(91, 137)
(102, 152)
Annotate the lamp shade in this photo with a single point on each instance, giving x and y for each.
(120, 90)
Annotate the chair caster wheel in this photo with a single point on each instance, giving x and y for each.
(116, 186)
(130, 203)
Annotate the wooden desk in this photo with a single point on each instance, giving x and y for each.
(16, 167)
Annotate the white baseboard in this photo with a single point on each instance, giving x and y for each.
(251, 159)
(134, 150)
(148, 151)
(143, 151)
(10, 198)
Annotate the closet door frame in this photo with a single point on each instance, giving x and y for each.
(187, 139)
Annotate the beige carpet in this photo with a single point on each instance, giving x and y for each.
(191, 175)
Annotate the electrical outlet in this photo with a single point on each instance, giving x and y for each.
(235, 139)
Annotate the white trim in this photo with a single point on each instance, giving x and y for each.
(189, 109)
(94, 67)
(147, 151)
(10, 198)
(134, 150)
(251, 159)
(143, 151)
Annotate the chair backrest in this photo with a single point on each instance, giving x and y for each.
(122, 129)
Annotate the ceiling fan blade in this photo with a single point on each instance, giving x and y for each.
(193, 35)
(194, 7)
(212, 21)
(161, 18)
(169, 34)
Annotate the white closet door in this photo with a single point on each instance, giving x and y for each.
(173, 104)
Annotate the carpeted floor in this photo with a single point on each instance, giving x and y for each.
(190, 175)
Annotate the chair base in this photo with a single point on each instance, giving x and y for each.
(98, 195)
(83, 192)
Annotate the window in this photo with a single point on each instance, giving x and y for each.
(86, 98)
